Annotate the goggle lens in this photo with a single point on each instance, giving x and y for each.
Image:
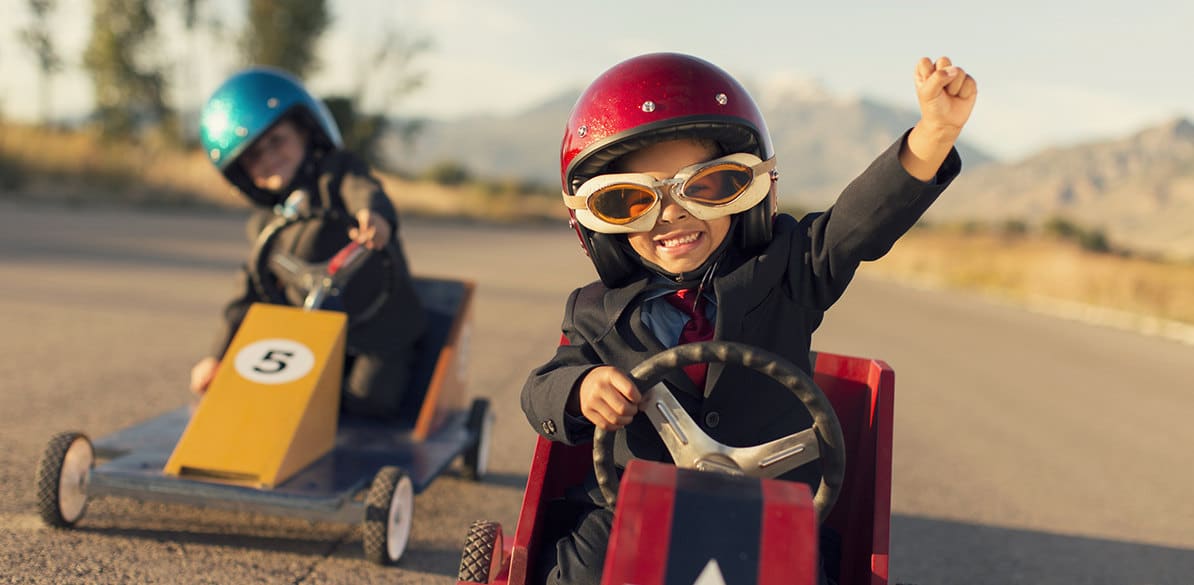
(621, 204)
(629, 202)
(718, 184)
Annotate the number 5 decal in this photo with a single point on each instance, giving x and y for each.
(274, 361)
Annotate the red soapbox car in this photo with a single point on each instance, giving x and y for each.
(716, 517)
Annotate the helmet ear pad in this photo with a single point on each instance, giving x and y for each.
(614, 266)
(756, 223)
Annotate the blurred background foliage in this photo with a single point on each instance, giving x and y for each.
(137, 147)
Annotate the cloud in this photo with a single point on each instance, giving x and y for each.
(782, 86)
(455, 86)
(446, 16)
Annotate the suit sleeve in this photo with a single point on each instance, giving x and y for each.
(873, 211)
(234, 313)
(358, 188)
(545, 394)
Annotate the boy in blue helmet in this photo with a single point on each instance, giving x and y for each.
(272, 140)
(668, 171)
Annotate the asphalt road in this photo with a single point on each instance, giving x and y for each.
(1029, 449)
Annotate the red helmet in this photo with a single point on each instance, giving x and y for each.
(653, 98)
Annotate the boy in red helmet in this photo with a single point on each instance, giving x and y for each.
(669, 173)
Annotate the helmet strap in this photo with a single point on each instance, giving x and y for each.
(754, 231)
(614, 266)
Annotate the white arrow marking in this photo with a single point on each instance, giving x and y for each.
(710, 575)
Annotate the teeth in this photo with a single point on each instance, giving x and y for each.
(672, 243)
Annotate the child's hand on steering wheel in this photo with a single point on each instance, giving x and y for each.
(607, 397)
(372, 230)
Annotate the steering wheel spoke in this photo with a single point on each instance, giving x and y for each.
(692, 448)
(684, 439)
(290, 270)
(780, 456)
(271, 271)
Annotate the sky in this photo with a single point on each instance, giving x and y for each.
(1049, 73)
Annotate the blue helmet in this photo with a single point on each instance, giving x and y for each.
(248, 104)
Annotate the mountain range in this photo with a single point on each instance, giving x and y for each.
(821, 141)
(1138, 189)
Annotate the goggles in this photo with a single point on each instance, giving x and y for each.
(631, 202)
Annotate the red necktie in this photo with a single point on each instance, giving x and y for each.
(698, 328)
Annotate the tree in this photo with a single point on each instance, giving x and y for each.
(37, 38)
(1062, 228)
(382, 80)
(198, 21)
(449, 173)
(1095, 240)
(190, 14)
(129, 85)
(284, 34)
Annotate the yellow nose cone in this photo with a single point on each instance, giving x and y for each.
(272, 408)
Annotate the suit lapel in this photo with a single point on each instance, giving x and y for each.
(643, 343)
(675, 378)
(743, 289)
(727, 327)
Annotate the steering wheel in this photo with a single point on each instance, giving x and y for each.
(315, 281)
(691, 448)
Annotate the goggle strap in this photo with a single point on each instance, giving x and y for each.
(576, 201)
(764, 167)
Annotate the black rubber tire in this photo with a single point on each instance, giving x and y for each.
(480, 426)
(49, 479)
(480, 546)
(379, 504)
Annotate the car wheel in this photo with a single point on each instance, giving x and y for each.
(62, 477)
(389, 509)
(480, 426)
(481, 558)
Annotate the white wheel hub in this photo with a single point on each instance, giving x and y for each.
(399, 519)
(72, 483)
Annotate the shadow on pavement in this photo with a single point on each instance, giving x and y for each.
(293, 542)
(345, 544)
(496, 479)
(926, 552)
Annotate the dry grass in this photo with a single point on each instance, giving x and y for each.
(475, 202)
(1035, 268)
(79, 167)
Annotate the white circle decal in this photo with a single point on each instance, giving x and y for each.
(274, 361)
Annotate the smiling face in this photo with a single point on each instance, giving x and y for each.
(272, 160)
(679, 242)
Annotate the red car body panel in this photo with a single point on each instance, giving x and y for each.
(642, 527)
(652, 541)
(862, 392)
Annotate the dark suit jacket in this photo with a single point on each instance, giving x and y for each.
(342, 182)
(773, 300)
